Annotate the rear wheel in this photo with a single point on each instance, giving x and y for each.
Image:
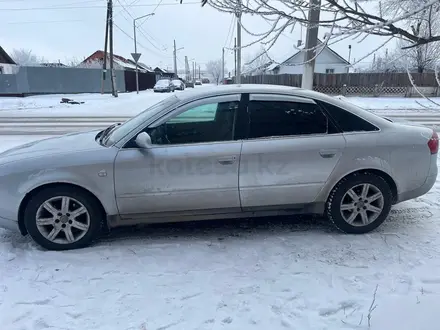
(62, 218)
(360, 203)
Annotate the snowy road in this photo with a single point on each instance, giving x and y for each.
(61, 125)
(44, 115)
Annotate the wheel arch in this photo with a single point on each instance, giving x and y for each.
(36, 190)
(389, 180)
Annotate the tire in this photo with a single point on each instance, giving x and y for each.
(342, 194)
(83, 229)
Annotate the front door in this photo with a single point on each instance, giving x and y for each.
(289, 154)
(192, 165)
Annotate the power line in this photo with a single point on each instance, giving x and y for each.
(147, 49)
(229, 31)
(44, 22)
(140, 30)
(98, 6)
(147, 18)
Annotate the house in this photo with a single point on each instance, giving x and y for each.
(119, 63)
(328, 61)
(7, 64)
(162, 73)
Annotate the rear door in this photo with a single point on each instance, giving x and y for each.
(289, 153)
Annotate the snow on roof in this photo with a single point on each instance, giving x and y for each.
(127, 65)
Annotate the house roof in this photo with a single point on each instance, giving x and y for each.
(141, 66)
(120, 60)
(5, 58)
(160, 69)
(275, 65)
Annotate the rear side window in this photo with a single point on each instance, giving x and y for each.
(347, 121)
(281, 118)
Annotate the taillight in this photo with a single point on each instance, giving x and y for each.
(433, 143)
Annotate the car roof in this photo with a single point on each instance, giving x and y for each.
(245, 88)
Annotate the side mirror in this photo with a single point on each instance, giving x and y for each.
(143, 140)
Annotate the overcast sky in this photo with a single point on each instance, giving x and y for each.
(77, 30)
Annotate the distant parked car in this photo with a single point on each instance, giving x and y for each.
(205, 81)
(178, 84)
(189, 83)
(198, 82)
(164, 85)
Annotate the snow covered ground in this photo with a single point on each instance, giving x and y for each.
(291, 273)
(130, 104)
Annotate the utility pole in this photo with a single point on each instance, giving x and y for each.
(235, 57)
(187, 72)
(199, 72)
(238, 77)
(311, 42)
(112, 71)
(223, 65)
(104, 65)
(175, 57)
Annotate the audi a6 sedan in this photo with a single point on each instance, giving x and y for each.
(219, 152)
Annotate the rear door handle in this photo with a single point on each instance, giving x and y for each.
(227, 160)
(328, 153)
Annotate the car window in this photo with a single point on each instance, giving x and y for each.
(281, 118)
(201, 113)
(347, 121)
(120, 132)
(211, 122)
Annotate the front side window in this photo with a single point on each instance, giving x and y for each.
(281, 118)
(120, 132)
(213, 122)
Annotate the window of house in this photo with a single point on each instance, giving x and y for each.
(347, 121)
(1, 69)
(205, 123)
(328, 71)
(281, 118)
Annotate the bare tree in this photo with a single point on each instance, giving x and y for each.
(341, 19)
(73, 61)
(26, 57)
(256, 63)
(215, 69)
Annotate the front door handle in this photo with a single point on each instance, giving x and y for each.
(328, 153)
(227, 160)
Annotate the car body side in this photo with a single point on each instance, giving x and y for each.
(399, 153)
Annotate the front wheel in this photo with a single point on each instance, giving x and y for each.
(360, 203)
(62, 218)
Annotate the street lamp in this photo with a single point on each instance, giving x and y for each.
(135, 55)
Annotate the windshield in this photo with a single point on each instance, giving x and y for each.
(163, 83)
(118, 133)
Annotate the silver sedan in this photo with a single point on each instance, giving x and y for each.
(223, 152)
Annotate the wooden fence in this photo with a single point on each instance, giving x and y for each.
(374, 84)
